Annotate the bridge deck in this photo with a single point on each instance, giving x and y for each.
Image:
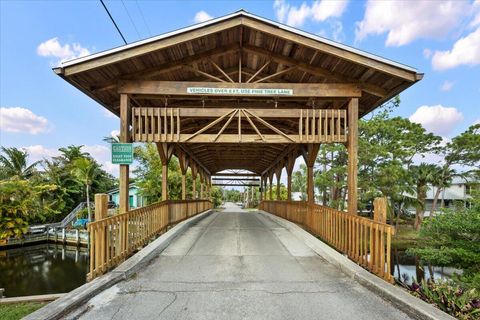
(239, 265)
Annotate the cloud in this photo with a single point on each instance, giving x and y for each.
(427, 53)
(109, 114)
(53, 48)
(101, 153)
(447, 85)
(437, 119)
(466, 51)
(202, 16)
(405, 22)
(22, 120)
(39, 152)
(115, 133)
(319, 10)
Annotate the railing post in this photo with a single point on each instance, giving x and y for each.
(380, 210)
(101, 206)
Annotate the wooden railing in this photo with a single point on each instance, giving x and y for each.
(113, 239)
(314, 125)
(363, 240)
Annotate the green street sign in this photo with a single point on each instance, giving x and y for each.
(122, 153)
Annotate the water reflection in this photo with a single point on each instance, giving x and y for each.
(406, 268)
(42, 269)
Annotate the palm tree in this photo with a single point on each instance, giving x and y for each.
(70, 153)
(85, 171)
(443, 179)
(423, 174)
(13, 162)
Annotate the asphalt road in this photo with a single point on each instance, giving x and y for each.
(239, 265)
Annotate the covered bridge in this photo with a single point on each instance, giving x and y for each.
(239, 92)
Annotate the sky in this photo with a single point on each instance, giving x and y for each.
(41, 112)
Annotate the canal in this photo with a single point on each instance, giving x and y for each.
(42, 269)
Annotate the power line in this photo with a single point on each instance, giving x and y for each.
(143, 18)
(131, 20)
(114, 23)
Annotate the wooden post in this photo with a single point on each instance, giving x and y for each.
(165, 151)
(101, 206)
(278, 173)
(289, 167)
(380, 209)
(124, 137)
(352, 146)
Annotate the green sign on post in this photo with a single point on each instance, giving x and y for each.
(122, 153)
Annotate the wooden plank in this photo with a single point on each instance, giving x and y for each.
(332, 90)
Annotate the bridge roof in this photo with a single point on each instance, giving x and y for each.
(177, 55)
(232, 50)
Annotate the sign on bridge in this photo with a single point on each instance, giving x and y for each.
(241, 91)
(122, 153)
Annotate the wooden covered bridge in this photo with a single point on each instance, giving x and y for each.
(239, 92)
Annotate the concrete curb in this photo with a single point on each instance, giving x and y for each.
(76, 298)
(403, 300)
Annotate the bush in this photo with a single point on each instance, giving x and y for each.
(449, 297)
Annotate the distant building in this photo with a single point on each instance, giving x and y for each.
(459, 192)
(134, 198)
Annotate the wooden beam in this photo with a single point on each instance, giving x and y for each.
(259, 71)
(151, 46)
(180, 88)
(166, 67)
(316, 71)
(352, 146)
(221, 70)
(124, 137)
(329, 49)
(289, 165)
(276, 74)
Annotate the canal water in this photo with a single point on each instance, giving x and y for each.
(407, 270)
(42, 269)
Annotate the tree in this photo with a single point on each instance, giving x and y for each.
(299, 182)
(13, 163)
(422, 174)
(451, 239)
(85, 170)
(216, 193)
(463, 150)
(21, 203)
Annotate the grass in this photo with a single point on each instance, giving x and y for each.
(14, 311)
(405, 237)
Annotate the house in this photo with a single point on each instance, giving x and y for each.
(134, 198)
(458, 192)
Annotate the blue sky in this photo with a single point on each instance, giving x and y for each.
(41, 112)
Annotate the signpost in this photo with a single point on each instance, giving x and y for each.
(122, 153)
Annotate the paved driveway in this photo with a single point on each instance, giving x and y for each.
(239, 265)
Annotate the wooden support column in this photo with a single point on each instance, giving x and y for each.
(194, 180)
(289, 168)
(183, 162)
(278, 173)
(352, 146)
(165, 151)
(310, 154)
(124, 138)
